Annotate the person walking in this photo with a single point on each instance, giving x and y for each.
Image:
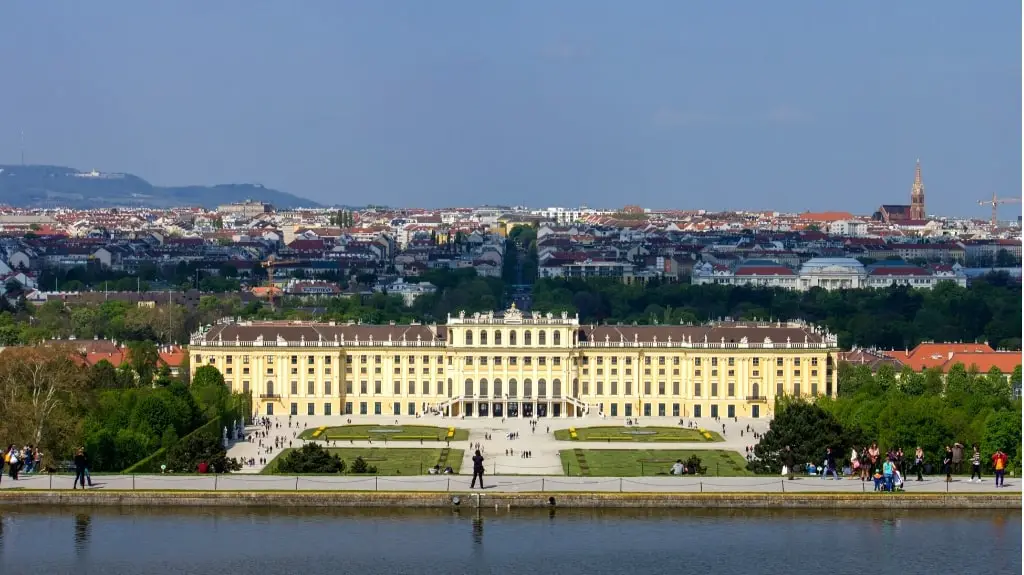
(478, 470)
(830, 465)
(976, 464)
(788, 459)
(919, 462)
(947, 464)
(88, 476)
(999, 464)
(958, 457)
(80, 463)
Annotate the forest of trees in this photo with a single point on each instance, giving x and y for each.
(53, 399)
(891, 318)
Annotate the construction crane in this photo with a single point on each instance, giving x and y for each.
(994, 202)
(269, 264)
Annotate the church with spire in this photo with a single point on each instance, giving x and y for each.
(917, 195)
(902, 213)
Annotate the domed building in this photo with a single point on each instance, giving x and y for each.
(832, 274)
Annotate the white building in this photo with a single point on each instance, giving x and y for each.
(832, 273)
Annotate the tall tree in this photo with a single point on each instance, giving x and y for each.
(37, 386)
(143, 356)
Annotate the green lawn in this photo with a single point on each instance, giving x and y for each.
(389, 460)
(389, 432)
(648, 462)
(636, 434)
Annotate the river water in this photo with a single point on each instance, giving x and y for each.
(116, 541)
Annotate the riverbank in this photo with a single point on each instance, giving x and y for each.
(513, 500)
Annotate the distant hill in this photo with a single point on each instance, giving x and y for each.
(57, 186)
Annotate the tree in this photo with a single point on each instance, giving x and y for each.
(806, 428)
(189, 452)
(209, 389)
(1002, 432)
(311, 458)
(163, 376)
(958, 381)
(359, 465)
(143, 356)
(36, 384)
(1004, 259)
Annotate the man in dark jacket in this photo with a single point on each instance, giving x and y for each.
(80, 464)
(830, 464)
(478, 470)
(787, 458)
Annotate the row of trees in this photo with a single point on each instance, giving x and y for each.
(891, 318)
(911, 410)
(53, 399)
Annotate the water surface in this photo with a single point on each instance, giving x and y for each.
(116, 541)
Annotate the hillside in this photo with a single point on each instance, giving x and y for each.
(57, 186)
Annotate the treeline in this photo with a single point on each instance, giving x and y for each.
(180, 276)
(904, 410)
(52, 398)
(891, 318)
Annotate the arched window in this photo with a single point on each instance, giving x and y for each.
(512, 338)
(542, 388)
(497, 388)
(557, 337)
(483, 337)
(755, 390)
(469, 387)
(497, 338)
(527, 388)
(542, 337)
(469, 337)
(556, 388)
(451, 336)
(450, 386)
(513, 388)
(575, 387)
(270, 389)
(527, 337)
(483, 388)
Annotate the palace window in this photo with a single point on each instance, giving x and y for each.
(469, 337)
(527, 337)
(542, 337)
(483, 337)
(512, 338)
(557, 337)
(497, 338)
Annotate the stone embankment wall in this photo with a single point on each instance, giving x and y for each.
(513, 500)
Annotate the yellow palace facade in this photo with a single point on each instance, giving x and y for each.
(515, 364)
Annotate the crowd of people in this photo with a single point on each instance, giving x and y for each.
(20, 459)
(888, 470)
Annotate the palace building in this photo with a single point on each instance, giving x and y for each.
(515, 364)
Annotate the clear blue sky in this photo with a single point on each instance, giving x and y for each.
(789, 105)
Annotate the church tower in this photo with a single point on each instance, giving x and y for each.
(917, 195)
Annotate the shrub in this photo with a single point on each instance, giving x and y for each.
(311, 458)
(360, 466)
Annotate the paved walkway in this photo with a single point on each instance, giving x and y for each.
(498, 484)
(542, 444)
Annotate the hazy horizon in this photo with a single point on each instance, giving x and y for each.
(747, 106)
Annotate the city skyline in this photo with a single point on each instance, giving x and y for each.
(687, 107)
